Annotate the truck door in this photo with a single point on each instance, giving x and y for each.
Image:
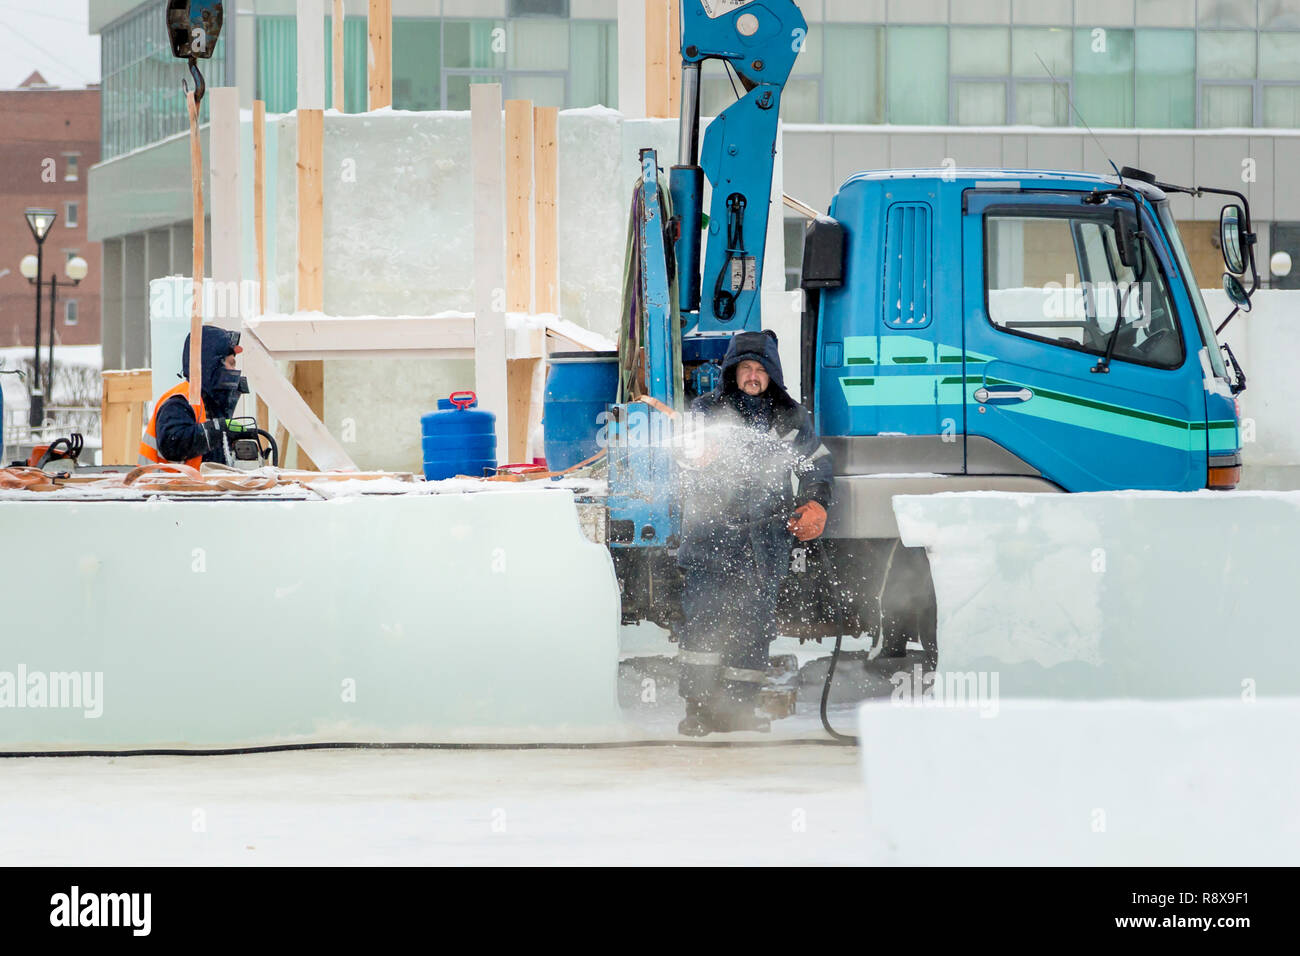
(1045, 285)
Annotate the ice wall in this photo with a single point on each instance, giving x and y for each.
(1267, 343)
(385, 618)
(1136, 594)
(1118, 783)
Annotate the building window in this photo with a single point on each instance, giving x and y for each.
(1166, 79)
(1103, 76)
(70, 215)
(916, 68)
(141, 99)
(70, 172)
(69, 311)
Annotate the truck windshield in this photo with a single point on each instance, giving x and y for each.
(1193, 293)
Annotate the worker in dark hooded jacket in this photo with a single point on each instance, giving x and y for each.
(175, 433)
(762, 482)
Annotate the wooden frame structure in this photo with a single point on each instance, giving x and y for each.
(516, 247)
(121, 414)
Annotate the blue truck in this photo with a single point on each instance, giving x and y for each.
(964, 329)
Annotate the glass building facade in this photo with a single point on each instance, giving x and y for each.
(1227, 72)
(1233, 64)
(553, 61)
(143, 100)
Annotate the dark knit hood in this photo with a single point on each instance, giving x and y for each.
(759, 347)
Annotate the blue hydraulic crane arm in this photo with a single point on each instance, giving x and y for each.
(760, 40)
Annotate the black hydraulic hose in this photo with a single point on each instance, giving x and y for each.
(826, 696)
(828, 571)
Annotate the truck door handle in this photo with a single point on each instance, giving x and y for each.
(1002, 394)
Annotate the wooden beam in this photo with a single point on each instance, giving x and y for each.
(311, 237)
(259, 227)
(522, 375)
(631, 58)
(314, 440)
(656, 58)
(311, 54)
(195, 373)
(519, 265)
(225, 200)
(490, 380)
(674, 58)
(380, 54)
(574, 337)
(546, 222)
(337, 93)
(519, 197)
(287, 335)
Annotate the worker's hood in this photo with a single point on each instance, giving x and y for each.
(221, 386)
(759, 347)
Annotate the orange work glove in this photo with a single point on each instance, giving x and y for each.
(808, 521)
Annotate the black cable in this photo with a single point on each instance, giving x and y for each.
(349, 745)
(828, 572)
(826, 696)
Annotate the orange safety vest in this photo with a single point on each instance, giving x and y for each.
(149, 454)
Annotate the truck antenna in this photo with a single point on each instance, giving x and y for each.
(1075, 109)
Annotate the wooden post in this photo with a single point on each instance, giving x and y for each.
(489, 258)
(519, 262)
(340, 103)
(674, 58)
(519, 198)
(656, 58)
(546, 225)
(259, 230)
(546, 186)
(122, 414)
(196, 311)
(226, 194)
(309, 377)
(631, 58)
(380, 54)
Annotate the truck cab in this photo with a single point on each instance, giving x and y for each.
(1022, 330)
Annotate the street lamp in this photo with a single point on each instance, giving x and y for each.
(75, 269)
(39, 221)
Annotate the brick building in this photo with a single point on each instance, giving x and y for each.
(49, 139)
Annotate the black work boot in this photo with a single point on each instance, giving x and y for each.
(699, 720)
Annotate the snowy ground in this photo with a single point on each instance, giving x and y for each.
(662, 806)
(780, 803)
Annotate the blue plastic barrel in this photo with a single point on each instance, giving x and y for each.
(579, 388)
(458, 439)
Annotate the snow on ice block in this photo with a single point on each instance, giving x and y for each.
(1115, 594)
(221, 623)
(1081, 783)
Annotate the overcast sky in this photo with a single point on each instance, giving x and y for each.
(50, 36)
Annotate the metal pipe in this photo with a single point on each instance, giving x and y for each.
(689, 135)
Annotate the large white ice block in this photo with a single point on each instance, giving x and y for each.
(384, 618)
(1128, 594)
(1190, 782)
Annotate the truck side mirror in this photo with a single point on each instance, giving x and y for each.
(823, 254)
(1236, 292)
(1128, 245)
(193, 27)
(1231, 240)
